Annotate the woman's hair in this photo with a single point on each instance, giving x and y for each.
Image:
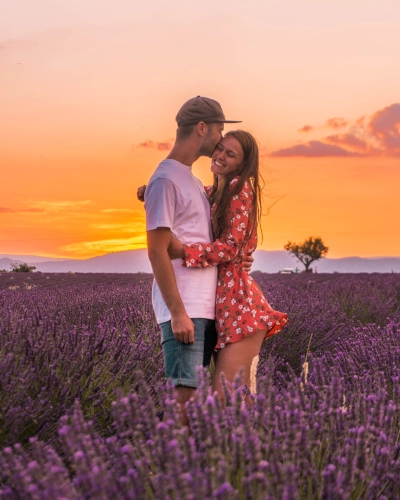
(248, 171)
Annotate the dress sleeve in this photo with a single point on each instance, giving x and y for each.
(229, 245)
(208, 190)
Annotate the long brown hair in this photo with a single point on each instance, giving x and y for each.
(249, 171)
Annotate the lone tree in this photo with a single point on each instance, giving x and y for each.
(310, 250)
(22, 268)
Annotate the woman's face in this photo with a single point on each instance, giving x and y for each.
(227, 157)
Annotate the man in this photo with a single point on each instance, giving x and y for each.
(176, 205)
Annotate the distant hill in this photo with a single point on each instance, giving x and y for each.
(272, 261)
(134, 261)
(129, 261)
(27, 258)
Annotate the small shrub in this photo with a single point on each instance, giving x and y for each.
(22, 268)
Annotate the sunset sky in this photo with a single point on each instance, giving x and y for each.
(89, 90)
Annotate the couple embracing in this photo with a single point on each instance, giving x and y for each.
(200, 241)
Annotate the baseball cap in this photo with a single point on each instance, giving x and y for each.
(201, 109)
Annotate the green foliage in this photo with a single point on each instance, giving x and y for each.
(22, 268)
(308, 251)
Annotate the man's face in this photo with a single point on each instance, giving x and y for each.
(211, 139)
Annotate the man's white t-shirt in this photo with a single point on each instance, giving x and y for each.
(175, 198)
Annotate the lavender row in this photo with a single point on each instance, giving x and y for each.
(330, 433)
(70, 342)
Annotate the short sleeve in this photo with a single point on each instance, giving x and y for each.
(161, 199)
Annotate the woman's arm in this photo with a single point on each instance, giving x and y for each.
(176, 251)
(230, 243)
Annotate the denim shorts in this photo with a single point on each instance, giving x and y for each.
(181, 359)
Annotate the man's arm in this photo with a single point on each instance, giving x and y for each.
(158, 241)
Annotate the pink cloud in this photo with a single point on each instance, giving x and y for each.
(4, 210)
(314, 149)
(348, 140)
(354, 143)
(336, 123)
(306, 128)
(385, 126)
(146, 144)
(360, 122)
(161, 146)
(378, 135)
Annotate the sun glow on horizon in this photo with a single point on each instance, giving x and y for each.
(90, 90)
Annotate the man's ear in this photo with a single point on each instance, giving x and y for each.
(202, 129)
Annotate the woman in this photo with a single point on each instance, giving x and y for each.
(243, 316)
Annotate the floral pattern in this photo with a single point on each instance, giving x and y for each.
(241, 308)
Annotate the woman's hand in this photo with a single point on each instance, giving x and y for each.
(247, 263)
(175, 249)
(140, 192)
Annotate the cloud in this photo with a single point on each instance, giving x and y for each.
(107, 245)
(58, 206)
(137, 224)
(53, 209)
(147, 144)
(11, 210)
(376, 135)
(348, 140)
(361, 121)
(385, 126)
(164, 146)
(306, 128)
(126, 227)
(314, 149)
(336, 123)
(161, 146)
(118, 210)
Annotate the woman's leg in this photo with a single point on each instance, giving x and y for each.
(234, 356)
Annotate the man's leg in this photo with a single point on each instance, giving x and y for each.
(182, 360)
(182, 395)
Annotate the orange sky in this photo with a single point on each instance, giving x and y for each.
(89, 91)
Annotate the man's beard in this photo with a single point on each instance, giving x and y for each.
(208, 146)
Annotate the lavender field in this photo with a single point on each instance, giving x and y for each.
(82, 391)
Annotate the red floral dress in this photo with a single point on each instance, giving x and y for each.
(241, 307)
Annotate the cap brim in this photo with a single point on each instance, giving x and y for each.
(189, 123)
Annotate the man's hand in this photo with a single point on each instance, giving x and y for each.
(158, 241)
(247, 263)
(140, 192)
(183, 328)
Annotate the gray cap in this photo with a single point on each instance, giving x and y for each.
(201, 109)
